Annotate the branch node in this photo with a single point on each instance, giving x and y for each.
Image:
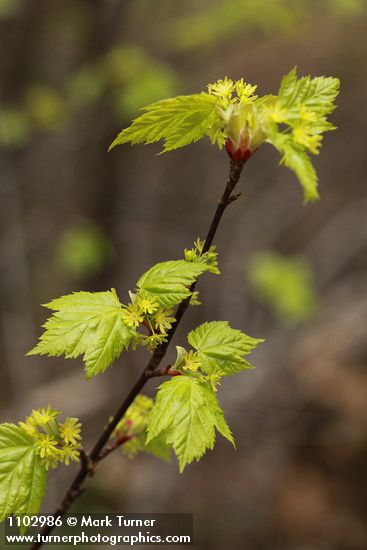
(88, 464)
(234, 197)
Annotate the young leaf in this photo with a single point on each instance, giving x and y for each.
(89, 324)
(296, 158)
(22, 473)
(170, 281)
(221, 348)
(186, 413)
(316, 94)
(157, 447)
(178, 121)
(231, 115)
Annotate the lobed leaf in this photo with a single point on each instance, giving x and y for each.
(221, 348)
(178, 121)
(317, 94)
(22, 474)
(170, 281)
(296, 158)
(88, 324)
(187, 413)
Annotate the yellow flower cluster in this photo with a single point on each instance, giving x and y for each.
(228, 91)
(190, 363)
(209, 258)
(144, 309)
(55, 442)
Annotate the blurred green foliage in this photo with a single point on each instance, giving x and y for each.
(14, 127)
(136, 78)
(212, 22)
(285, 284)
(9, 8)
(46, 108)
(85, 87)
(83, 250)
(224, 19)
(126, 74)
(353, 7)
(131, 76)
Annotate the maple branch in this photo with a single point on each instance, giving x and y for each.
(102, 449)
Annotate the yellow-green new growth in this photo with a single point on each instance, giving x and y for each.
(209, 258)
(97, 326)
(230, 113)
(54, 442)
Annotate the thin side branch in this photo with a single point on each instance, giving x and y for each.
(102, 447)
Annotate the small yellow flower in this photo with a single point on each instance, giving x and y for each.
(163, 321)
(153, 341)
(222, 88)
(44, 415)
(132, 315)
(212, 379)
(307, 115)
(46, 448)
(277, 113)
(303, 136)
(70, 452)
(70, 430)
(192, 362)
(245, 92)
(147, 302)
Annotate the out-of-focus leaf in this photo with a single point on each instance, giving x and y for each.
(46, 108)
(223, 20)
(137, 78)
(85, 87)
(83, 250)
(153, 84)
(122, 63)
(353, 7)
(286, 284)
(9, 8)
(14, 128)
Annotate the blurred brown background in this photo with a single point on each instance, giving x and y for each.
(72, 217)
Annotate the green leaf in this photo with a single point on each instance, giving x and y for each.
(22, 475)
(170, 281)
(296, 158)
(221, 348)
(302, 105)
(157, 447)
(288, 84)
(187, 413)
(88, 324)
(317, 94)
(178, 121)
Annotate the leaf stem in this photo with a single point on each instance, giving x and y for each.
(101, 449)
